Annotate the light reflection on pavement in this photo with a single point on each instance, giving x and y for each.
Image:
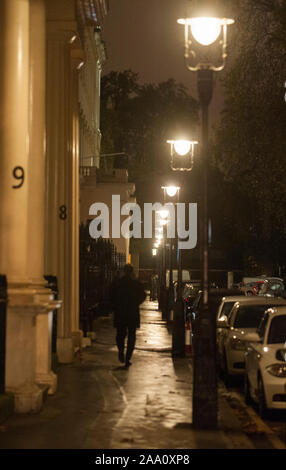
(156, 391)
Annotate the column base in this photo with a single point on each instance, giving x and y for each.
(28, 398)
(77, 340)
(50, 379)
(65, 350)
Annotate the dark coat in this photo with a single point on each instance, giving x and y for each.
(127, 294)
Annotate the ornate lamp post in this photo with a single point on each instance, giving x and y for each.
(205, 53)
(169, 193)
(182, 153)
(182, 159)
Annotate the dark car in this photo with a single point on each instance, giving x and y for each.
(214, 299)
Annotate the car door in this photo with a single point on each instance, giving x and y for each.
(223, 330)
(254, 351)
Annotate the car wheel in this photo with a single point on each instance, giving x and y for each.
(262, 408)
(247, 396)
(226, 376)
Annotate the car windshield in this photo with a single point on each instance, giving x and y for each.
(277, 331)
(272, 287)
(249, 316)
(226, 309)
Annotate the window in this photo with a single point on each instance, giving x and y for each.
(227, 306)
(277, 331)
(249, 316)
(262, 327)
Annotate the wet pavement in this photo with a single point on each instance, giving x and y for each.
(101, 405)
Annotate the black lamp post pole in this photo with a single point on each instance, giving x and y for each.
(178, 334)
(171, 286)
(205, 380)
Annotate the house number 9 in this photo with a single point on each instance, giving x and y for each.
(18, 174)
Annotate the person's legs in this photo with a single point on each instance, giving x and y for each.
(120, 340)
(130, 344)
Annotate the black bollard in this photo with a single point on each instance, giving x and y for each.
(178, 335)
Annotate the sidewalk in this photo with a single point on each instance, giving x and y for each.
(102, 405)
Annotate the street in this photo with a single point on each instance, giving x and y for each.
(102, 405)
(272, 429)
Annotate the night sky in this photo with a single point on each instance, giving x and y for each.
(143, 35)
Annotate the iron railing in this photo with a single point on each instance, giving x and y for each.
(53, 286)
(100, 263)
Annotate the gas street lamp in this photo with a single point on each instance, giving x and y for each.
(182, 159)
(205, 52)
(170, 191)
(182, 154)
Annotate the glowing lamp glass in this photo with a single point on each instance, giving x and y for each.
(154, 252)
(182, 147)
(163, 222)
(171, 191)
(206, 30)
(163, 213)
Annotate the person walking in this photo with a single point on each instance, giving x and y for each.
(127, 294)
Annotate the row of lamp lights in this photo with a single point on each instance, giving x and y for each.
(182, 148)
(163, 216)
(205, 30)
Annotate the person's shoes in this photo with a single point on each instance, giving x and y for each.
(128, 364)
(121, 356)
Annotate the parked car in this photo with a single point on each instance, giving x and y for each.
(272, 287)
(225, 307)
(265, 364)
(238, 328)
(217, 298)
(223, 313)
(248, 287)
(257, 287)
(252, 286)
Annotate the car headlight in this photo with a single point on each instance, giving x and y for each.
(278, 370)
(237, 344)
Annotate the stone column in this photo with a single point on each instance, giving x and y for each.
(62, 180)
(14, 47)
(24, 298)
(36, 206)
(77, 62)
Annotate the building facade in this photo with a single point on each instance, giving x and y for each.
(49, 117)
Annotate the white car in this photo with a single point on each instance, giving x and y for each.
(226, 305)
(265, 365)
(239, 328)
